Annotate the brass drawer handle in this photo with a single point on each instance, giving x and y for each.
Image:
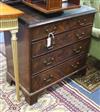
(80, 36)
(83, 33)
(76, 65)
(48, 62)
(47, 30)
(77, 50)
(51, 28)
(83, 22)
(54, 28)
(47, 80)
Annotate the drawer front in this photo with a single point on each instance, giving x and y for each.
(46, 61)
(61, 26)
(79, 22)
(43, 31)
(50, 76)
(40, 47)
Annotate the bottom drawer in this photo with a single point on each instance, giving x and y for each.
(50, 76)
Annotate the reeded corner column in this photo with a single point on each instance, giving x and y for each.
(15, 61)
(9, 22)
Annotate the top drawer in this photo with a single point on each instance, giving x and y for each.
(42, 31)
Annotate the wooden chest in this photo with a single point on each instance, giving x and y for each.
(50, 48)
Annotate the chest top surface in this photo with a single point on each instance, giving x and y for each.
(34, 18)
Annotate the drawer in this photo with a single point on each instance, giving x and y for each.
(52, 75)
(79, 22)
(40, 47)
(46, 61)
(42, 31)
(73, 65)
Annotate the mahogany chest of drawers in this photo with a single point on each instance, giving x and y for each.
(50, 47)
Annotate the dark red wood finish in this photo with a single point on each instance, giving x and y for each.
(39, 67)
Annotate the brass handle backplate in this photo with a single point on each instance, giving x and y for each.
(78, 50)
(48, 79)
(83, 22)
(48, 61)
(51, 28)
(80, 36)
(76, 65)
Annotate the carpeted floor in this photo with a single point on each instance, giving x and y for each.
(63, 98)
(91, 80)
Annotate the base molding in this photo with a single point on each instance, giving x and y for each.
(31, 98)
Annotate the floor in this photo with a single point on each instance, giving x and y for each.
(94, 96)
